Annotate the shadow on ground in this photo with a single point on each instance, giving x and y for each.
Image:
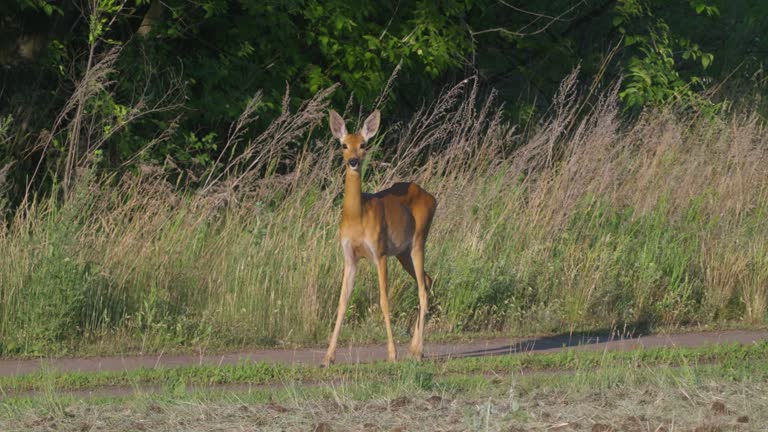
(627, 334)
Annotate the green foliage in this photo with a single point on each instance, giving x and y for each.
(44, 6)
(340, 41)
(654, 73)
(221, 52)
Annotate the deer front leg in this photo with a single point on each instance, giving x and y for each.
(381, 268)
(347, 284)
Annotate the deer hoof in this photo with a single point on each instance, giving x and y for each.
(415, 354)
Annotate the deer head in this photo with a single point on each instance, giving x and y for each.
(353, 145)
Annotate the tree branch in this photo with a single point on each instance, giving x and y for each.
(521, 33)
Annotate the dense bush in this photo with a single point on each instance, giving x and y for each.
(171, 76)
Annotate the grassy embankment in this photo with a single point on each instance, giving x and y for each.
(583, 221)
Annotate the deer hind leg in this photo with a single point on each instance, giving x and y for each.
(407, 263)
(413, 263)
(381, 268)
(347, 283)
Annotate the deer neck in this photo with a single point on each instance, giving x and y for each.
(353, 196)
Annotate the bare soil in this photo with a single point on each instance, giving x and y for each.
(647, 408)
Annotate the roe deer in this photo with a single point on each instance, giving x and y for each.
(392, 222)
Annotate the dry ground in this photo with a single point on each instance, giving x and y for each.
(676, 389)
(505, 403)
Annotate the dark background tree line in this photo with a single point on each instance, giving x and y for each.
(183, 71)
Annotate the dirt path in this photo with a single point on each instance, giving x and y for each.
(369, 353)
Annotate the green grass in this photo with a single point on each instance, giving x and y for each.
(580, 224)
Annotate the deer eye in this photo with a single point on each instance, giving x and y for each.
(344, 146)
(362, 146)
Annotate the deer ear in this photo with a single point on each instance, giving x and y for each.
(371, 125)
(338, 128)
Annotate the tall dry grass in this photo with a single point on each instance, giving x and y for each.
(585, 221)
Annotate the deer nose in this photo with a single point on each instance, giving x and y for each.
(354, 163)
